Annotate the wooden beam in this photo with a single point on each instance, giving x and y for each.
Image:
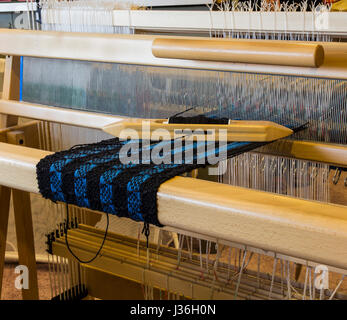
(24, 159)
(335, 154)
(108, 286)
(11, 87)
(272, 53)
(10, 91)
(137, 49)
(23, 221)
(21, 199)
(25, 240)
(300, 228)
(5, 194)
(60, 115)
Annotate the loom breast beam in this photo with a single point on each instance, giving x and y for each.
(305, 229)
(253, 131)
(137, 49)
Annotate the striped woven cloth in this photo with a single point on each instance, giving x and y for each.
(123, 177)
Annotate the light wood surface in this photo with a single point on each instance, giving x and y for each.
(273, 53)
(236, 130)
(11, 78)
(25, 240)
(20, 158)
(11, 87)
(5, 194)
(335, 154)
(305, 229)
(23, 219)
(29, 130)
(10, 91)
(137, 49)
(105, 285)
(21, 199)
(54, 114)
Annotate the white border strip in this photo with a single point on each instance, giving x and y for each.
(301, 22)
(16, 7)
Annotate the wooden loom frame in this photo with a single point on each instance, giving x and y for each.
(137, 49)
(237, 21)
(13, 133)
(126, 49)
(301, 228)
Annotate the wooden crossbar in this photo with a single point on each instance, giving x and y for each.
(306, 229)
(137, 49)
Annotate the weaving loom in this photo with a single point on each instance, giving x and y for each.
(258, 229)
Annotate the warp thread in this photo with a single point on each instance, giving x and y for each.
(94, 177)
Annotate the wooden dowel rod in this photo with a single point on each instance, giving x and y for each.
(259, 52)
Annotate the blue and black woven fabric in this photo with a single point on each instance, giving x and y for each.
(95, 176)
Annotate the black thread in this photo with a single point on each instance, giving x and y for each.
(146, 232)
(199, 119)
(181, 112)
(102, 244)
